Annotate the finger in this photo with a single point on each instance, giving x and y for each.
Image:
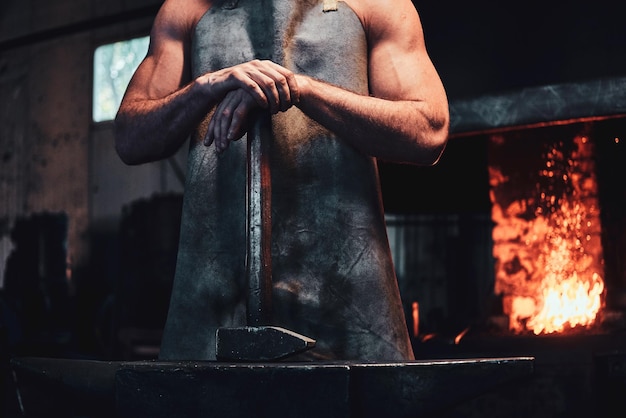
(287, 85)
(213, 130)
(243, 77)
(259, 94)
(222, 124)
(239, 117)
(294, 89)
(273, 80)
(266, 81)
(208, 136)
(220, 141)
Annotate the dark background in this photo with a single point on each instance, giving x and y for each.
(482, 47)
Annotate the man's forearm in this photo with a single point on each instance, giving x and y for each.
(152, 129)
(399, 131)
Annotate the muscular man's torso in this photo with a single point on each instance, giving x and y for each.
(333, 278)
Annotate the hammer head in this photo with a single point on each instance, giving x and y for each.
(263, 343)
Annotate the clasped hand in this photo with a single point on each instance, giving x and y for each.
(246, 88)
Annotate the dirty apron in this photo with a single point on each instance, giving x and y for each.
(333, 277)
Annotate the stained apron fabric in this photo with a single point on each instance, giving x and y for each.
(333, 277)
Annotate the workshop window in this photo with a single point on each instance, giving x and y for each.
(114, 65)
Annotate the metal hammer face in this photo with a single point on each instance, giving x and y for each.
(265, 343)
(259, 341)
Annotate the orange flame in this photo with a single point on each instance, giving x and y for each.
(568, 303)
(549, 263)
(567, 299)
(569, 294)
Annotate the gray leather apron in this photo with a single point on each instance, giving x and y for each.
(331, 265)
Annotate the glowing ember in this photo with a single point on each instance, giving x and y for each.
(547, 241)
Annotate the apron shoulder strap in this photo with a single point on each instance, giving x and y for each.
(330, 5)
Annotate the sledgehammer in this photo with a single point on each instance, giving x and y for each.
(259, 341)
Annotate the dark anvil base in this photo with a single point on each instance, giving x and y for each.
(65, 387)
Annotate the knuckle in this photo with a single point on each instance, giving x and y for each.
(239, 113)
(282, 82)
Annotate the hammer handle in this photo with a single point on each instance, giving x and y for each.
(259, 222)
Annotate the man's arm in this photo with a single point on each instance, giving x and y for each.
(162, 106)
(150, 123)
(406, 117)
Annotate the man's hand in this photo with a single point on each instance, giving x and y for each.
(272, 86)
(259, 85)
(230, 119)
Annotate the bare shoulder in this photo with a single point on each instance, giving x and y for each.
(181, 16)
(166, 65)
(381, 18)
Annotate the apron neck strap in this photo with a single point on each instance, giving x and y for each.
(330, 5)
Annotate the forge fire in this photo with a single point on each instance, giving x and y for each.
(547, 233)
